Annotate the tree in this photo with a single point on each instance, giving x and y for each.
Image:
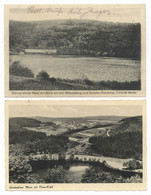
(88, 82)
(43, 75)
(133, 164)
(17, 70)
(133, 179)
(95, 175)
(56, 175)
(18, 166)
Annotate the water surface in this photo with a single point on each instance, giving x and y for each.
(92, 68)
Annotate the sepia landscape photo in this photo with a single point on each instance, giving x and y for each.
(97, 143)
(75, 47)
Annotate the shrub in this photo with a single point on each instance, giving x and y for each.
(133, 179)
(43, 75)
(56, 175)
(88, 82)
(96, 175)
(17, 70)
(133, 164)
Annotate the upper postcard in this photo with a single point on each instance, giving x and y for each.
(74, 50)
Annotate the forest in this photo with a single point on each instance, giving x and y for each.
(34, 141)
(128, 124)
(95, 175)
(124, 140)
(77, 37)
(38, 142)
(121, 145)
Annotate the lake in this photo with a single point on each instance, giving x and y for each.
(73, 170)
(92, 68)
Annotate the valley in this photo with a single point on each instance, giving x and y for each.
(105, 141)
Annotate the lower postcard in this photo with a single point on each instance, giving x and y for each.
(75, 145)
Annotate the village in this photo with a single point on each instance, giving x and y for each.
(79, 131)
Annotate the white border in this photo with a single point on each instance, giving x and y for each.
(148, 86)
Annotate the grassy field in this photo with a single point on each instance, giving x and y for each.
(24, 83)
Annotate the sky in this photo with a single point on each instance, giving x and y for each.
(94, 12)
(73, 111)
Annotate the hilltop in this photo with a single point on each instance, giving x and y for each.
(17, 123)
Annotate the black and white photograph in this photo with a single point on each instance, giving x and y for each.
(73, 48)
(76, 142)
(75, 97)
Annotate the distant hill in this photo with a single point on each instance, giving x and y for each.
(64, 119)
(64, 22)
(18, 123)
(124, 124)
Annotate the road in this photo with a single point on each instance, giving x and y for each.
(108, 133)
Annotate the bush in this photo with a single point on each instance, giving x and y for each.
(96, 175)
(43, 75)
(17, 70)
(56, 175)
(133, 179)
(133, 164)
(88, 82)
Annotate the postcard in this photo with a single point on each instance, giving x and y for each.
(74, 50)
(75, 145)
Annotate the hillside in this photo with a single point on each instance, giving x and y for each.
(18, 123)
(123, 141)
(77, 37)
(130, 124)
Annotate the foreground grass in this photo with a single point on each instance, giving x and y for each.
(22, 83)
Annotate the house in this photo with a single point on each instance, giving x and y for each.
(55, 156)
(67, 157)
(40, 51)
